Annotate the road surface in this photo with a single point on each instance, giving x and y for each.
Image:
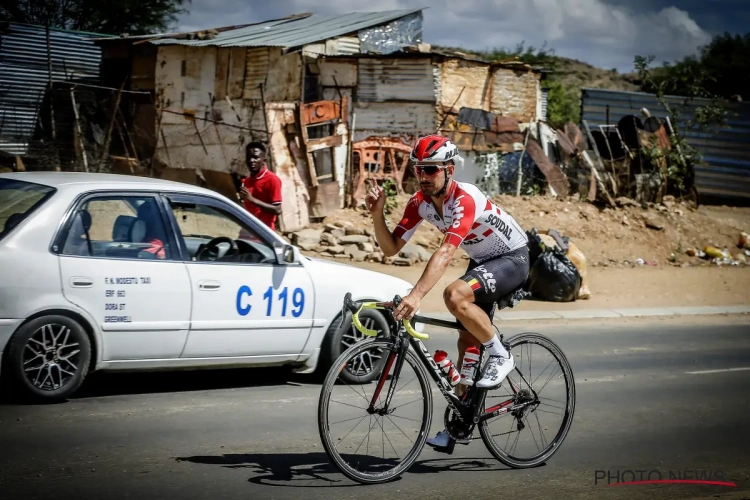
(652, 395)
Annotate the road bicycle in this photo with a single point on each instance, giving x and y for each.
(401, 348)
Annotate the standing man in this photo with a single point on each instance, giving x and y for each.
(261, 190)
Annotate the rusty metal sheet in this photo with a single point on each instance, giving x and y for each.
(553, 173)
(504, 124)
(294, 192)
(403, 119)
(284, 79)
(338, 72)
(257, 63)
(323, 111)
(411, 80)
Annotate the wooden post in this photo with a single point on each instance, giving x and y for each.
(108, 137)
(78, 130)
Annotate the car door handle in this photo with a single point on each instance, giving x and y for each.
(209, 285)
(81, 282)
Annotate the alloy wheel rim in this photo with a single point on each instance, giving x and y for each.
(50, 359)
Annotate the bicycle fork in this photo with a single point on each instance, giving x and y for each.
(397, 354)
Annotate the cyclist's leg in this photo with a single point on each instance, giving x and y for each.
(472, 298)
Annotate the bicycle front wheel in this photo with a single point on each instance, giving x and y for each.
(378, 445)
(531, 435)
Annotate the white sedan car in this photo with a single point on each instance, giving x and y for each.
(109, 272)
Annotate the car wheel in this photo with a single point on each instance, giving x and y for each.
(48, 358)
(367, 366)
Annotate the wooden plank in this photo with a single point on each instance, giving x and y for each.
(326, 142)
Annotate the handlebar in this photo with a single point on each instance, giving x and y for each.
(356, 307)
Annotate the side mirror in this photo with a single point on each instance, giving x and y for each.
(285, 254)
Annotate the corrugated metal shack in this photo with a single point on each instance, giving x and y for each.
(418, 91)
(216, 90)
(725, 150)
(32, 59)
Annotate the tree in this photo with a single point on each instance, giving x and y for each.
(113, 17)
(690, 82)
(723, 67)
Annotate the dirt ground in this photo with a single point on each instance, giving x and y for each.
(612, 240)
(617, 287)
(610, 236)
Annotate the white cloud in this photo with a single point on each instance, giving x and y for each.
(590, 30)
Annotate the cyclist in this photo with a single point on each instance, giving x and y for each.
(495, 243)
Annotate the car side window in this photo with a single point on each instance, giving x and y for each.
(118, 227)
(200, 224)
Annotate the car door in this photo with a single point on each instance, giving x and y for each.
(245, 304)
(118, 262)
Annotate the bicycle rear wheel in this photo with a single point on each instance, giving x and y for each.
(358, 429)
(527, 385)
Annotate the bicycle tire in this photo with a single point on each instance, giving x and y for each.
(323, 402)
(570, 409)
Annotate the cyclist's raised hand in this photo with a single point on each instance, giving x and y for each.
(375, 199)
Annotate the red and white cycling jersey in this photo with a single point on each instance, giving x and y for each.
(470, 220)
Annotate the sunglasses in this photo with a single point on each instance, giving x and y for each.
(428, 170)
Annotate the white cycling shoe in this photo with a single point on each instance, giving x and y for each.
(497, 369)
(441, 440)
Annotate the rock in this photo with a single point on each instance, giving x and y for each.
(353, 239)
(359, 255)
(328, 239)
(415, 252)
(308, 246)
(377, 257)
(330, 228)
(342, 256)
(403, 261)
(336, 249)
(370, 232)
(338, 233)
(679, 212)
(662, 208)
(624, 201)
(320, 249)
(354, 230)
(350, 249)
(307, 237)
(366, 247)
(625, 221)
(388, 260)
(652, 224)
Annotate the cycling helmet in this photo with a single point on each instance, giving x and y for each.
(433, 149)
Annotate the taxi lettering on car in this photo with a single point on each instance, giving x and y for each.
(110, 272)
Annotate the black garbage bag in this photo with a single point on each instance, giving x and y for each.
(553, 277)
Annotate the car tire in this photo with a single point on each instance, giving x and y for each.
(63, 363)
(337, 338)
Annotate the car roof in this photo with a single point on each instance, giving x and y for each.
(103, 180)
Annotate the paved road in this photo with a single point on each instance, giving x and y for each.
(239, 434)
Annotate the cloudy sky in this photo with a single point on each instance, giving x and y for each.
(605, 33)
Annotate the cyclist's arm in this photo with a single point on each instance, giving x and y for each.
(435, 269)
(391, 243)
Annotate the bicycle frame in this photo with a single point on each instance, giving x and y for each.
(468, 408)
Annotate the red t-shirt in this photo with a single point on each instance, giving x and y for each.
(266, 186)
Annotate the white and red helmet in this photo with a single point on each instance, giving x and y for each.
(433, 149)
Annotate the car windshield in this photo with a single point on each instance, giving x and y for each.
(18, 199)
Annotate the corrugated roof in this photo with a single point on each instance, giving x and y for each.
(24, 75)
(289, 33)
